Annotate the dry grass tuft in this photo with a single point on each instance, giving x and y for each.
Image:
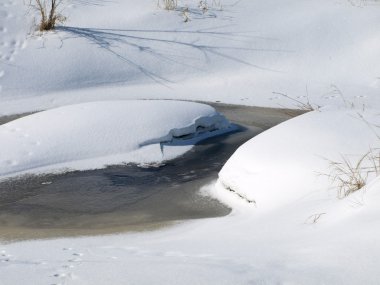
(306, 106)
(50, 15)
(350, 177)
(203, 6)
(169, 4)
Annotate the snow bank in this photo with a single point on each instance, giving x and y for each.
(288, 162)
(92, 135)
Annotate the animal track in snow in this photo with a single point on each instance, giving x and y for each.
(330, 97)
(14, 47)
(4, 257)
(67, 248)
(76, 255)
(9, 58)
(61, 275)
(68, 266)
(14, 43)
(64, 276)
(75, 260)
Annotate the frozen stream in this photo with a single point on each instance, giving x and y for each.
(128, 198)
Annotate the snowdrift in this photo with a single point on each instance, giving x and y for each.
(92, 135)
(292, 160)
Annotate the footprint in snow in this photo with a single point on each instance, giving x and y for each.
(329, 97)
(67, 248)
(74, 260)
(4, 257)
(14, 43)
(9, 58)
(60, 275)
(64, 276)
(68, 266)
(65, 273)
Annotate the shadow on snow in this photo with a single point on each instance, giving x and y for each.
(171, 46)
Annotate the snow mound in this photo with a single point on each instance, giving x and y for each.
(292, 161)
(93, 135)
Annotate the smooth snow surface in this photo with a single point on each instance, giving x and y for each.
(292, 160)
(92, 135)
(239, 53)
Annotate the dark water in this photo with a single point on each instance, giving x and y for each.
(129, 197)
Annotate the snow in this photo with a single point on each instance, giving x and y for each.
(93, 135)
(109, 53)
(292, 160)
(280, 247)
(239, 54)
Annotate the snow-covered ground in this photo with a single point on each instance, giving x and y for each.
(239, 54)
(295, 230)
(93, 135)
